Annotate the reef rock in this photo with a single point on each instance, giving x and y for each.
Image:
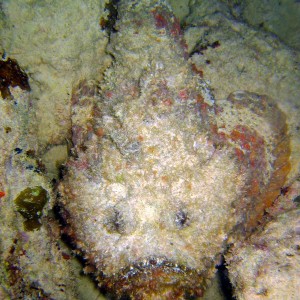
(267, 266)
(32, 264)
(162, 176)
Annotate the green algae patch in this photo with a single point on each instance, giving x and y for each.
(30, 203)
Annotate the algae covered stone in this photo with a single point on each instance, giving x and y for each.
(30, 203)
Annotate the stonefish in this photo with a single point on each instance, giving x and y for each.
(163, 178)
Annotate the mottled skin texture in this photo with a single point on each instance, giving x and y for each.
(162, 177)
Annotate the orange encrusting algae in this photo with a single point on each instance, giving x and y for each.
(252, 152)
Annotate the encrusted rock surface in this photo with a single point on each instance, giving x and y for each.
(267, 265)
(279, 17)
(33, 263)
(231, 56)
(56, 43)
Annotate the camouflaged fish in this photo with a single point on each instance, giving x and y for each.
(163, 178)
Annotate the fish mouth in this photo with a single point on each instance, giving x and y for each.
(154, 278)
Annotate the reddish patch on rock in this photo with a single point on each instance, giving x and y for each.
(207, 113)
(161, 20)
(265, 178)
(12, 75)
(183, 94)
(168, 102)
(83, 89)
(251, 154)
(161, 93)
(79, 164)
(164, 19)
(239, 154)
(204, 108)
(175, 30)
(197, 70)
(266, 168)
(108, 94)
(100, 132)
(65, 256)
(199, 99)
(250, 142)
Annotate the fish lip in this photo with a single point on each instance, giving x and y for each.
(148, 264)
(155, 276)
(151, 263)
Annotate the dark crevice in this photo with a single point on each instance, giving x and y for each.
(60, 214)
(224, 281)
(202, 46)
(108, 23)
(11, 75)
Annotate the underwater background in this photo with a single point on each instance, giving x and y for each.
(56, 52)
